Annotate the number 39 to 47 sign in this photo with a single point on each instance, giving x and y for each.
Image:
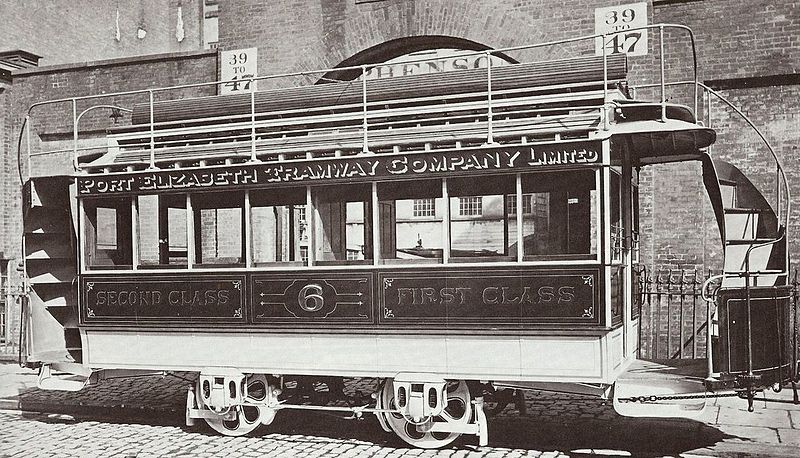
(618, 22)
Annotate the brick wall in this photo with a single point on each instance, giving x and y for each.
(734, 38)
(51, 125)
(306, 34)
(90, 30)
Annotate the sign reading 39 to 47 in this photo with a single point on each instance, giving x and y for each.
(622, 19)
(237, 65)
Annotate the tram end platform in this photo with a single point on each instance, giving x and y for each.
(572, 424)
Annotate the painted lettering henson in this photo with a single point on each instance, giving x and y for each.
(352, 168)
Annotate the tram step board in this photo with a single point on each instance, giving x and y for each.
(65, 315)
(51, 272)
(49, 249)
(764, 278)
(46, 226)
(48, 192)
(661, 378)
(741, 225)
(63, 376)
(727, 190)
(735, 255)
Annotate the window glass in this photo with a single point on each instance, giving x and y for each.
(162, 230)
(279, 226)
(218, 220)
(343, 224)
(480, 225)
(411, 221)
(562, 223)
(424, 207)
(107, 233)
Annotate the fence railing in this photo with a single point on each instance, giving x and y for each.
(674, 314)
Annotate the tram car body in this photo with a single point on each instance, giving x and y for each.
(372, 229)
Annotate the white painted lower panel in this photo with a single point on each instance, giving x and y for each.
(530, 358)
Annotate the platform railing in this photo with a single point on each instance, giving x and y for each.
(365, 105)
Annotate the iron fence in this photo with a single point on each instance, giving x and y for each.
(673, 312)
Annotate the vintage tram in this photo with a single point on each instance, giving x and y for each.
(448, 234)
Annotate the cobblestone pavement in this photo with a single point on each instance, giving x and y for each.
(136, 417)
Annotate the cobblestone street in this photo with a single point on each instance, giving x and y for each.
(138, 417)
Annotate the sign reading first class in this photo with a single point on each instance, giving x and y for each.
(353, 168)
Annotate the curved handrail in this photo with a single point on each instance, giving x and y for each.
(784, 221)
(780, 170)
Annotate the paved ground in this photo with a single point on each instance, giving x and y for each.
(144, 417)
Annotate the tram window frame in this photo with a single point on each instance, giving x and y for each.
(291, 202)
(332, 232)
(567, 183)
(162, 228)
(91, 234)
(218, 202)
(616, 234)
(484, 189)
(397, 203)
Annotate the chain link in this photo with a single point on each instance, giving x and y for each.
(674, 397)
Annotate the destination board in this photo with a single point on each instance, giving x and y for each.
(364, 167)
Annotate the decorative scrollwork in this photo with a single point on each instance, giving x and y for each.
(89, 312)
(237, 313)
(588, 312)
(90, 286)
(237, 284)
(387, 283)
(588, 280)
(388, 313)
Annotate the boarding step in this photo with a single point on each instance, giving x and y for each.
(63, 376)
(736, 279)
(742, 223)
(736, 254)
(47, 226)
(646, 379)
(727, 190)
(51, 272)
(67, 316)
(55, 248)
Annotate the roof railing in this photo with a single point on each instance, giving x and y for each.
(363, 69)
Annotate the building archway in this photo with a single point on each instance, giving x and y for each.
(394, 52)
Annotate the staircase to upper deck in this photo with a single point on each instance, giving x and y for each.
(51, 263)
(753, 345)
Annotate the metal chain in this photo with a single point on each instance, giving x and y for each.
(654, 398)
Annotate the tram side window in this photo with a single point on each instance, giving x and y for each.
(411, 221)
(563, 220)
(107, 233)
(480, 225)
(162, 230)
(343, 225)
(279, 226)
(218, 220)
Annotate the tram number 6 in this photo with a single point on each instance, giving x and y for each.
(310, 298)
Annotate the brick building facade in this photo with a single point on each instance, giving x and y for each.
(748, 50)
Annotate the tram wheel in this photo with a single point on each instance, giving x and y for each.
(457, 412)
(247, 417)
